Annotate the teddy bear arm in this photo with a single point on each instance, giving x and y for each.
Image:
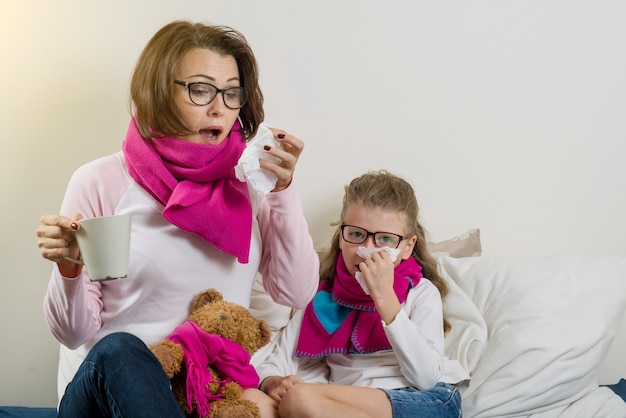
(234, 405)
(170, 355)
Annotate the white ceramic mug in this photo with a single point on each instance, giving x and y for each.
(104, 244)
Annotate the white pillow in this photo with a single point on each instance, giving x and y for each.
(465, 245)
(550, 322)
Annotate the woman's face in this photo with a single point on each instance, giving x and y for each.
(374, 220)
(212, 123)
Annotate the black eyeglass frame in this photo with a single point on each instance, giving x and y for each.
(367, 235)
(188, 86)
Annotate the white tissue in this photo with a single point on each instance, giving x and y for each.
(248, 167)
(366, 253)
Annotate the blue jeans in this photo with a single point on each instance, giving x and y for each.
(120, 378)
(442, 401)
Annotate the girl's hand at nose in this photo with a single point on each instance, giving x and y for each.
(378, 274)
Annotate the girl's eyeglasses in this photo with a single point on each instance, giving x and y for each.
(357, 235)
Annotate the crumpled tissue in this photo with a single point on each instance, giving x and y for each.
(248, 167)
(366, 253)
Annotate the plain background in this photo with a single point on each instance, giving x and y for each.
(506, 116)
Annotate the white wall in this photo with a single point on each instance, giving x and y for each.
(505, 115)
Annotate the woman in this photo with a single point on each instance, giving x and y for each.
(197, 101)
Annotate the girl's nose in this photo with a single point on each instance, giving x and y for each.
(370, 242)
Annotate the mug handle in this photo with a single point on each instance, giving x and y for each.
(73, 260)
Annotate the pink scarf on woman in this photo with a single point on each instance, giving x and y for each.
(201, 349)
(197, 185)
(342, 318)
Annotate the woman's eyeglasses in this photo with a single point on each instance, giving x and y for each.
(202, 94)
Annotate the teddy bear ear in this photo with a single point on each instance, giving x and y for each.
(205, 297)
(265, 333)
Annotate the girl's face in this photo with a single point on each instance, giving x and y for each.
(374, 220)
(212, 123)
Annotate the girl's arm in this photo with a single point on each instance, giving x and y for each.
(283, 361)
(289, 264)
(417, 337)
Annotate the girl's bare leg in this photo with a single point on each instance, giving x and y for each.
(328, 401)
(268, 406)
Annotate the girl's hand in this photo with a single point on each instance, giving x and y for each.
(57, 240)
(378, 274)
(277, 386)
(292, 148)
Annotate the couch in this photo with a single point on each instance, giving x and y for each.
(532, 331)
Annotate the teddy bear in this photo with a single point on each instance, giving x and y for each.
(207, 358)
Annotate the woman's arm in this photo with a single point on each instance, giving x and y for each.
(72, 305)
(289, 264)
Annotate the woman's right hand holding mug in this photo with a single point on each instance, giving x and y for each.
(57, 241)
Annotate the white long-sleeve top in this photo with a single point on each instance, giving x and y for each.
(168, 266)
(417, 338)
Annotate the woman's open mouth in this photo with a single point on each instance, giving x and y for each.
(210, 135)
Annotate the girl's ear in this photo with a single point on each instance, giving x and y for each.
(408, 248)
(340, 241)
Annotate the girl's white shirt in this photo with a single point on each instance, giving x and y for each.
(417, 358)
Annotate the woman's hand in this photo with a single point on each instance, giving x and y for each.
(57, 240)
(292, 148)
(277, 386)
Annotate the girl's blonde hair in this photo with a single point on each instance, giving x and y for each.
(383, 190)
(152, 84)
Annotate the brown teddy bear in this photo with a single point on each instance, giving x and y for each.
(207, 358)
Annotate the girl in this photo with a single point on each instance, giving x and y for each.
(375, 328)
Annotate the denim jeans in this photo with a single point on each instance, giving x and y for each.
(442, 401)
(120, 378)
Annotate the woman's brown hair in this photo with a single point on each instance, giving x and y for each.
(383, 190)
(152, 84)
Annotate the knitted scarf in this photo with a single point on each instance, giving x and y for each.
(229, 359)
(342, 318)
(197, 185)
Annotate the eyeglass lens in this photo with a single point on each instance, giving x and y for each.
(356, 235)
(204, 93)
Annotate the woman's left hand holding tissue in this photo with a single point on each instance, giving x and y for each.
(291, 149)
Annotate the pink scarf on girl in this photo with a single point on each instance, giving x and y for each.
(342, 318)
(197, 185)
(201, 349)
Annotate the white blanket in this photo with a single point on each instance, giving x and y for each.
(533, 333)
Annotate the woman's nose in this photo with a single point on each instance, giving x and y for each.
(216, 107)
